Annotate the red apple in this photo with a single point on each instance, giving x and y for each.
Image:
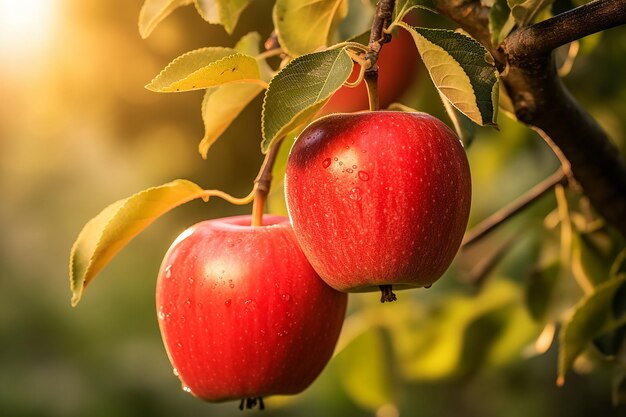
(242, 313)
(397, 67)
(378, 199)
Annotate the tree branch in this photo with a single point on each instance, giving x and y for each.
(509, 211)
(544, 37)
(529, 75)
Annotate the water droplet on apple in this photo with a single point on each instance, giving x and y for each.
(187, 389)
(250, 305)
(191, 280)
(231, 284)
(161, 314)
(355, 194)
(336, 159)
(228, 302)
(286, 297)
(364, 176)
(349, 170)
(326, 163)
(179, 345)
(168, 271)
(175, 371)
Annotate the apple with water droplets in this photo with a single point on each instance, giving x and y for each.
(242, 313)
(378, 199)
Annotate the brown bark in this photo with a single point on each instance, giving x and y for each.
(541, 100)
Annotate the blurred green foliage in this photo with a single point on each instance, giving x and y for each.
(78, 131)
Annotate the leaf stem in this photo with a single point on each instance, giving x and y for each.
(517, 206)
(270, 53)
(263, 182)
(233, 200)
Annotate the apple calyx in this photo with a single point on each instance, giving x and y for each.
(387, 295)
(250, 403)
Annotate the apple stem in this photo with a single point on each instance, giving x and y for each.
(371, 82)
(387, 294)
(263, 182)
(251, 402)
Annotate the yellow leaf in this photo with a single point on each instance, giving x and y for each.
(205, 68)
(220, 106)
(304, 27)
(107, 233)
(154, 11)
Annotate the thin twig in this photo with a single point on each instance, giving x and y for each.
(509, 211)
(483, 268)
(382, 19)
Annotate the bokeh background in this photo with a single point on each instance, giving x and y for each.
(78, 131)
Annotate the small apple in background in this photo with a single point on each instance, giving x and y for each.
(378, 199)
(398, 65)
(242, 313)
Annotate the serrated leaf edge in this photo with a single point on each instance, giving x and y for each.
(267, 143)
(171, 89)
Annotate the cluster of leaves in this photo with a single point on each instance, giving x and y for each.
(577, 293)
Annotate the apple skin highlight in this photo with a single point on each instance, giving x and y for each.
(242, 313)
(378, 198)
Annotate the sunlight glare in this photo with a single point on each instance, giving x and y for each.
(26, 27)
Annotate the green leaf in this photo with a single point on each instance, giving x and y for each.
(223, 12)
(204, 68)
(304, 27)
(435, 346)
(300, 89)
(592, 317)
(524, 11)
(464, 127)
(619, 387)
(587, 264)
(107, 233)
(619, 265)
(220, 106)
(610, 344)
(501, 21)
(368, 382)
(541, 287)
(154, 11)
(462, 70)
(405, 6)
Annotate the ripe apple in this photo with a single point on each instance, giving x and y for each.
(378, 199)
(242, 313)
(398, 64)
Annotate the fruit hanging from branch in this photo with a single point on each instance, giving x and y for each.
(378, 199)
(242, 313)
